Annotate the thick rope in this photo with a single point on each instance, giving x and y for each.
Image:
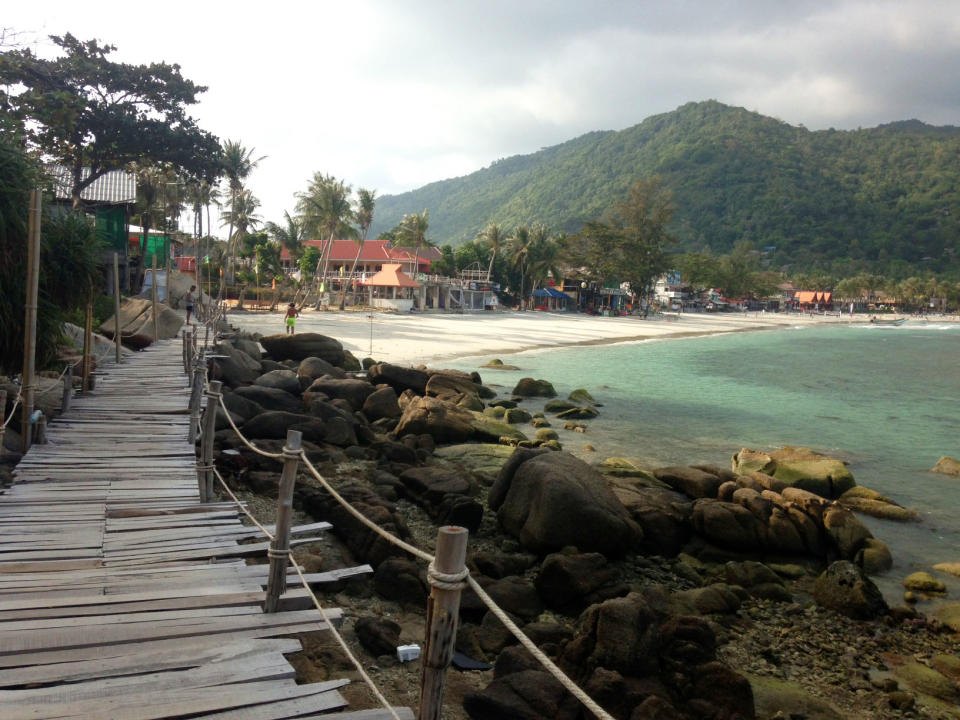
(12, 412)
(240, 434)
(240, 505)
(454, 580)
(446, 581)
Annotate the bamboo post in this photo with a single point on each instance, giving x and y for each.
(3, 416)
(184, 351)
(116, 306)
(196, 391)
(67, 389)
(153, 295)
(443, 609)
(206, 439)
(41, 434)
(209, 428)
(30, 325)
(88, 346)
(279, 552)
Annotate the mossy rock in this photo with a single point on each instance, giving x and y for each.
(772, 696)
(948, 665)
(529, 387)
(947, 466)
(505, 404)
(471, 402)
(926, 680)
(485, 458)
(798, 467)
(627, 468)
(540, 422)
(877, 508)
(494, 411)
(578, 413)
(951, 568)
(949, 615)
(489, 430)
(558, 406)
(497, 364)
(544, 434)
(516, 416)
(350, 362)
(924, 582)
(368, 362)
(581, 397)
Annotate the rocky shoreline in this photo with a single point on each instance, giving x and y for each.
(683, 592)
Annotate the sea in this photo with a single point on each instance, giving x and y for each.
(886, 400)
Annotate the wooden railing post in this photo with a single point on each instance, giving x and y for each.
(443, 610)
(116, 307)
(3, 416)
(87, 381)
(196, 392)
(67, 389)
(205, 471)
(279, 552)
(40, 434)
(153, 297)
(28, 381)
(185, 350)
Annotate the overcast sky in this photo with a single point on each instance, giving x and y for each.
(391, 95)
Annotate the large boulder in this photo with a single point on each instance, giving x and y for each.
(572, 581)
(528, 387)
(136, 323)
(662, 514)
(947, 466)
(312, 368)
(690, 481)
(303, 345)
(799, 467)
(727, 524)
(622, 634)
(234, 367)
(269, 398)
(241, 406)
(399, 378)
(354, 392)
(285, 380)
(550, 500)
(844, 587)
(453, 386)
(447, 423)
(275, 424)
(382, 403)
(526, 695)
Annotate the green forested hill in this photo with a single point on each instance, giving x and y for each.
(877, 197)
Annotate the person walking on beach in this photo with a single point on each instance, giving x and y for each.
(291, 318)
(189, 302)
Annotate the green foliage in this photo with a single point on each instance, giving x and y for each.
(882, 199)
(309, 260)
(69, 250)
(82, 110)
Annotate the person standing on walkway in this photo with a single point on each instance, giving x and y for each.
(189, 302)
(291, 318)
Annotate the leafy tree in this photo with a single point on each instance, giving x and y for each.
(518, 245)
(412, 233)
(544, 256)
(69, 250)
(237, 163)
(309, 261)
(82, 110)
(494, 237)
(242, 216)
(325, 207)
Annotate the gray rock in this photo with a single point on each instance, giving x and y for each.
(843, 587)
(269, 398)
(382, 403)
(275, 424)
(285, 380)
(551, 500)
(303, 345)
(354, 392)
(528, 387)
(399, 378)
(690, 481)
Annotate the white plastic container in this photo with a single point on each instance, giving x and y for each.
(406, 653)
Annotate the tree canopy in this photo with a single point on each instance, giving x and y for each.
(83, 110)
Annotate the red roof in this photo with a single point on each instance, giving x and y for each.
(392, 276)
(374, 251)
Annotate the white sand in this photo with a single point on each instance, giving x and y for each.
(430, 338)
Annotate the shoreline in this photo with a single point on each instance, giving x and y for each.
(425, 339)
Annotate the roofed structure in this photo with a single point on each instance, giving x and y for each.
(391, 276)
(117, 187)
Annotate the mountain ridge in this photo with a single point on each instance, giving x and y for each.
(875, 195)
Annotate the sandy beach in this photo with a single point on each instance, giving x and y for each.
(429, 338)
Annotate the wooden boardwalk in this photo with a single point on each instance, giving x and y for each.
(121, 595)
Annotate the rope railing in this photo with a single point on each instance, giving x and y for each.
(436, 579)
(16, 402)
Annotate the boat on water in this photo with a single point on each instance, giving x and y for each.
(891, 321)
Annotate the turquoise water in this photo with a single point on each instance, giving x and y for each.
(884, 399)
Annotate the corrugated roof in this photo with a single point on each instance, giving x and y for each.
(117, 186)
(377, 251)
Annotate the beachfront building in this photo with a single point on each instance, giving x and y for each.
(669, 291)
(110, 200)
(813, 300)
(391, 289)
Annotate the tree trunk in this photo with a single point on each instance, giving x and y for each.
(353, 269)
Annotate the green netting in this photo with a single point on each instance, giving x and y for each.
(156, 245)
(111, 224)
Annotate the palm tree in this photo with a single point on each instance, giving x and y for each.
(238, 163)
(518, 245)
(412, 232)
(151, 181)
(366, 200)
(494, 238)
(290, 235)
(325, 206)
(544, 256)
(242, 216)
